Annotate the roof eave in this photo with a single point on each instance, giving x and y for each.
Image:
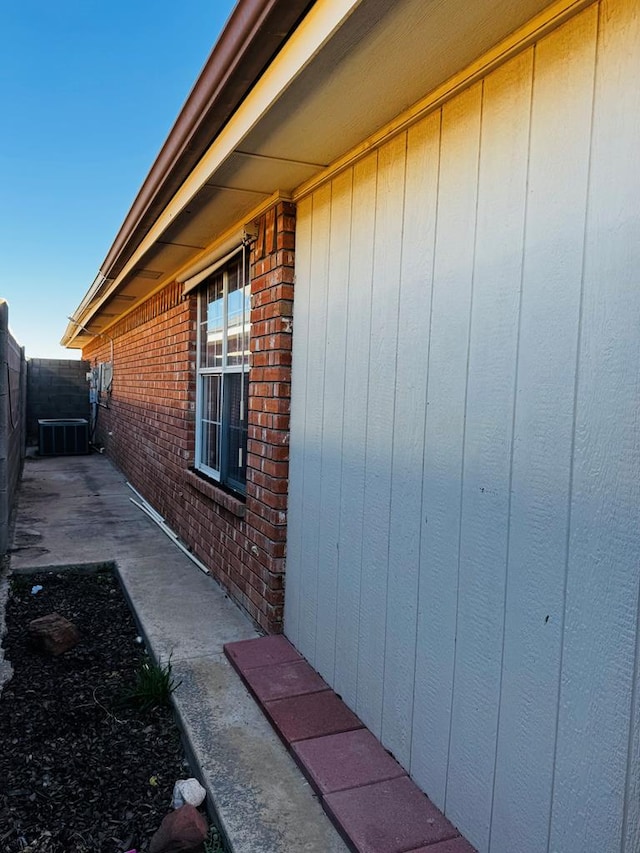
(255, 31)
(253, 34)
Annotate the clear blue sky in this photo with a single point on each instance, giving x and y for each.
(89, 90)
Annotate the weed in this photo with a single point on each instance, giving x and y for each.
(154, 685)
(20, 584)
(214, 842)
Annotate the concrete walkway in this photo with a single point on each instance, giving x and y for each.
(77, 511)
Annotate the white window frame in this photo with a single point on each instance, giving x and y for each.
(220, 475)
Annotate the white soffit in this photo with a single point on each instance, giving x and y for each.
(346, 71)
(209, 213)
(385, 58)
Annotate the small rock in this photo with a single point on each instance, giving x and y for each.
(188, 791)
(181, 831)
(53, 634)
(40, 845)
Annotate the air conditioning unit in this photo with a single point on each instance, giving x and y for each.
(59, 437)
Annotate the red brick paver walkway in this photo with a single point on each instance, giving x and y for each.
(372, 801)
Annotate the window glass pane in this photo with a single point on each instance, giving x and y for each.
(223, 349)
(210, 445)
(212, 327)
(236, 389)
(235, 316)
(247, 321)
(211, 422)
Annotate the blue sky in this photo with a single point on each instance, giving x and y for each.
(89, 91)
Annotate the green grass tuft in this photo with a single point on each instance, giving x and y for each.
(214, 842)
(154, 685)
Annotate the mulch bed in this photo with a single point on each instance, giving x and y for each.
(74, 761)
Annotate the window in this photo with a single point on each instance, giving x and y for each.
(223, 374)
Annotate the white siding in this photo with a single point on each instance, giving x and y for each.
(598, 722)
(331, 483)
(313, 414)
(486, 486)
(412, 359)
(444, 436)
(543, 429)
(387, 254)
(350, 542)
(463, 546)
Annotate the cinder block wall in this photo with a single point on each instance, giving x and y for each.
(148, 428)
(56, 388)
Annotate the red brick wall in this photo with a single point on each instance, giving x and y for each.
(149, 427)
(272, 276)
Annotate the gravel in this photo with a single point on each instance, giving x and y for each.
(80, 770)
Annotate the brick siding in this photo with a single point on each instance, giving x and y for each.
(148, 428)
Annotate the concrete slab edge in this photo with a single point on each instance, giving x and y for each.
(197, 772)
(88, 568)
(183, 727)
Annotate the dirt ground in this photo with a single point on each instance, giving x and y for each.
(80, 770)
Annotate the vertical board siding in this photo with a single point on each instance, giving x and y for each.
(330, 487)
(412, 360)
(463, 538)
(604, 542)
(387, 254)
(354, 435)
(295, 511)
(631, 816)
(484, 524)
(314, 405)
(444, 437)
(543, 430)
